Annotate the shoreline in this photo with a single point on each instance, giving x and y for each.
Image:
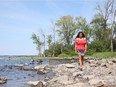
(96, 73)
(100, 72)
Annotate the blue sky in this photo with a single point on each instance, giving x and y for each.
(20, 18)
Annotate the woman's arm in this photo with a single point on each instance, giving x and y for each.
(75, 47)
(86, 46)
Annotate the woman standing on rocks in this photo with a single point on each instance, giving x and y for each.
(80, 47)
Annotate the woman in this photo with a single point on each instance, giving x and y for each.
(80, 47)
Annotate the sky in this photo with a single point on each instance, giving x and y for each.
(20, 18)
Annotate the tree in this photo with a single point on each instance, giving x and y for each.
(36, 40)
(97, 26)
(66, 29)
(81, 24)
(108, 15)
(54, 35)
(49, 40)
(44, 36)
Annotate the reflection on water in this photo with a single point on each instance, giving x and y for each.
(18, 78)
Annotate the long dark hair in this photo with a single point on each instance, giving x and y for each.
(79, 33)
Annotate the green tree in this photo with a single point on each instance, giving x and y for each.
(81, 24)
(107, 12)
(66, 29)
(36, 40)
(49, 40)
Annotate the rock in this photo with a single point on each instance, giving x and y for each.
(18, 65)
(104, 65)
(62, 80)
(37, 83)
(96, 82)
(39, 61)
(3, 80)
(88, 76)
(79, 85)
(104, 61)
(26, 64)
(41, 66)
(29, 69)
(93, 65)
(91, 61)
(70, 65)
(114, 61)
(110, 62)
(42, 71)
(77, 74)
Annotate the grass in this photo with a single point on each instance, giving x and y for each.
(95, 55)
(104, 55)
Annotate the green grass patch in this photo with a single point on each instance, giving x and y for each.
(104, 55)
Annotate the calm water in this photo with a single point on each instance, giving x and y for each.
(18, 78)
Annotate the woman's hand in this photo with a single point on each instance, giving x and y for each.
(75, 51)
(85, 51)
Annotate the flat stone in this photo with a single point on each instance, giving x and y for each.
(42, 71)
(41, 66)
(18, 65)
(70, 65)
(37, 83)
(62, 80)
(93, 65)
(94, 82)
(88, 76)
(32, 82)
(77, 74)
(79, 85)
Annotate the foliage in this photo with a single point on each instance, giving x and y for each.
(36, 40)
(104, 55)
(100, 32)
(63, 55)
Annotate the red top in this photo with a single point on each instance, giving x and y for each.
(80, 43)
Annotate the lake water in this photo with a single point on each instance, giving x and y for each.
(18, 78)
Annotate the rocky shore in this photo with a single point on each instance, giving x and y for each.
(96, 73)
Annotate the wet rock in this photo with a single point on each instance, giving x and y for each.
(41, 66)
(18, 65)
(37, 83)
(3, 80)
(39, 61)
(42, 71)
(26, 64)
(32, 60)
(29, 69)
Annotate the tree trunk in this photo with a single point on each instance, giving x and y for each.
(111, 41)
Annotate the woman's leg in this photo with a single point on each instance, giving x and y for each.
(81, 61)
